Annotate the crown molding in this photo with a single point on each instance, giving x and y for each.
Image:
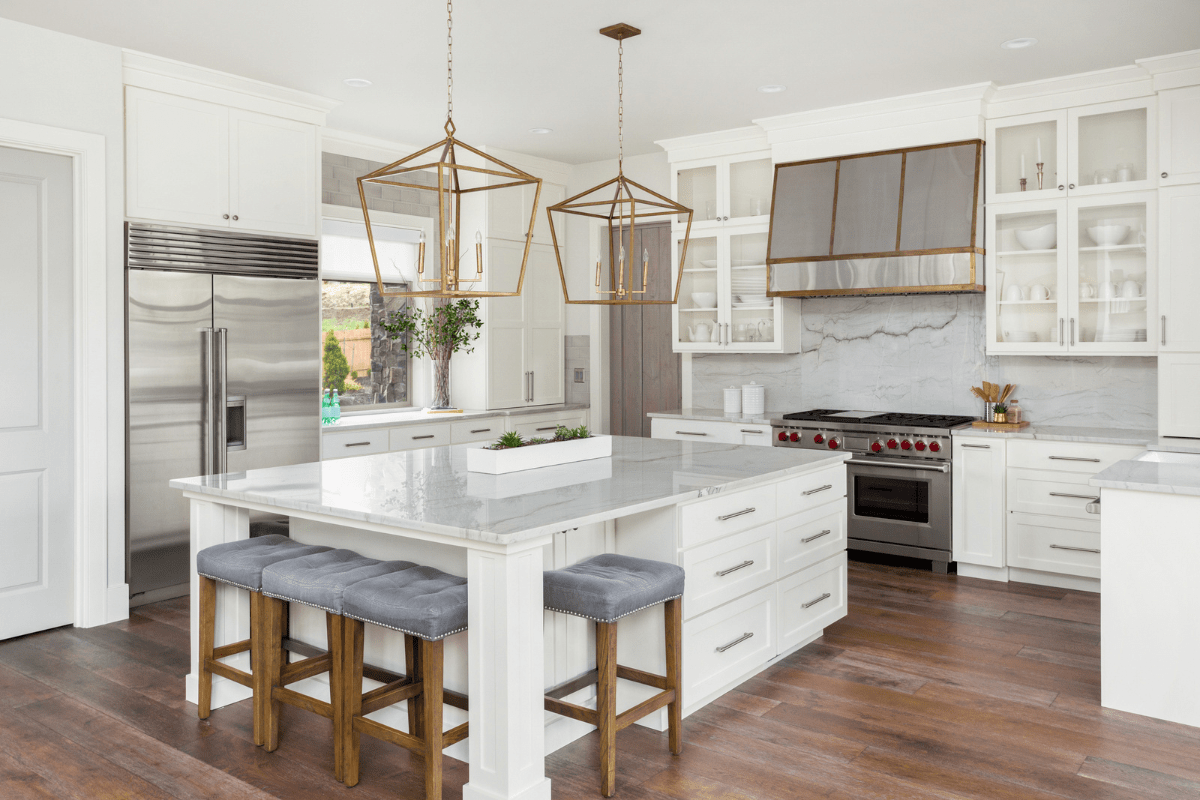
(188, 80)
(1174, 70)
(358, 145)
(715, 144)
(950, 102)
(1085, 88)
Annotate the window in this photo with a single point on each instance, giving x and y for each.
(358, 357)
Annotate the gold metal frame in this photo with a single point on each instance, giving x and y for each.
(972, 248)
(449, 194)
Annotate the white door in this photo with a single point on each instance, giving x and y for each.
(1178, 325)
(508, 370)
(36, 430)
(1178, 144)
(176, 159)
(1178, 387)
(272, 173)
(545, 311)
(979, 498)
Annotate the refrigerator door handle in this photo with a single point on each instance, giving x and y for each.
(208, 449)
(220, 403)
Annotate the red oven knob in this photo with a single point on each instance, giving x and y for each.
(920, 445)
(819, 439)
(934, 447)
(893, 444)
(906, 445)
(833, 443)
(876, 447)
(795, 437)
(782, 436)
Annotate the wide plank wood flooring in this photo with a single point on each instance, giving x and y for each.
(933, 687)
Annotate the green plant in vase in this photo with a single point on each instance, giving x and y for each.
(1000, 411)
(445, 328)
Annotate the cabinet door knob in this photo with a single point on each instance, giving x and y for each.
(1060, 187)
(1164, 174)
(235, 217)
(1070, 186)
(224, 216)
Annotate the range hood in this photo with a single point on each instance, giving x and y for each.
(904, 221)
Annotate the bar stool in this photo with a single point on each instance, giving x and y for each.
(426, 605)
(239, 564)
(320, 581)
(604, 589)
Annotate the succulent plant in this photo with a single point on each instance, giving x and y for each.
(509, 439)
(1000, 408)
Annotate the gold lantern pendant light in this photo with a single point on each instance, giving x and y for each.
(454, 181)
(621, 203)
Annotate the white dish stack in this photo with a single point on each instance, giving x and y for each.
(754, 399)
(733, 400)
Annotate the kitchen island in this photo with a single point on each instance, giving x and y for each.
(776, 516)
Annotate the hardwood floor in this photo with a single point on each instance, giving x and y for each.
(933, 687)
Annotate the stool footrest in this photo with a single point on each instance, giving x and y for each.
(632, 715)
(593, 676)
(232, 673)
(455, 735)
(307, 668)
(391, 694)
(294, 698)
(227, 650)
(405, 740)
(565, 709)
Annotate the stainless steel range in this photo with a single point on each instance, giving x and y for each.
(899, 479)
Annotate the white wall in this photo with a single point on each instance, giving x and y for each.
(50, 78)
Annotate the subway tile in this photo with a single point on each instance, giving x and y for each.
(344, 173)
(375, 204)
(340, 199)
(327, 197)
(333, 159)
(375, 191)
(391, 193)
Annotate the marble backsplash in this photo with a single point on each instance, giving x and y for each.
(922, 354)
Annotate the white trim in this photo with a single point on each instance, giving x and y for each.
(1055, 579)
(96, 603)
(715, 144)
(357, 145)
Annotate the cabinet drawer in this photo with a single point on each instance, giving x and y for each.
(1060, 494)
(344, 444)
(759, 435)
(809, 491)
(730, 567)
(1067, 456)
(476, 430)
(1054, 545)
(720, 647)
(698, 430)
(412, 437)
(529, 427)
(722, 514)
(804, 539)
(810, 600)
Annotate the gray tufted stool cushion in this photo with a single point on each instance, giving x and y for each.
(321, 580)
(420, 601)
(241, 563)
(606, 587)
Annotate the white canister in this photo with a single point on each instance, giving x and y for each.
(733, 400)
(754, 399)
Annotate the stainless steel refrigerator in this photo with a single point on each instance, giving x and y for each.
(223, 367)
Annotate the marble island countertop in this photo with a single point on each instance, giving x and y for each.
(1070, 433)
(430, 490)
(1168, 472)
(407, 416)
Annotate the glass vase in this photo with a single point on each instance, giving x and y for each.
(441, 384)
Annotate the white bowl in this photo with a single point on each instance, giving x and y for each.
(708, 262)
(704, 299)
(1042, 238)
(1106, 235)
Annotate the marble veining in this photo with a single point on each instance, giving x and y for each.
(1070, 433)
(922, 354)
(402, 417)
(1140, 475)
(430, 490)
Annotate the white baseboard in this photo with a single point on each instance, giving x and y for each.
(224, 693)
(116, 603)
(1054, 579)
(983, 572)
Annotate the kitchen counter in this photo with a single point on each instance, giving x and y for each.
(1175, 444)
(717, 415)
(400, 417)
(1161, 471)
(1070, 433)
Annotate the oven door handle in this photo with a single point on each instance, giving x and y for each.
(900, 465)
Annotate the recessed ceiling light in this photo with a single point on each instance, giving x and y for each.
(357, 83)
(771, 88)
(1019, 43)
(541, 130)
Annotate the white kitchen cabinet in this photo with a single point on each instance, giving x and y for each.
(710, 431)
(725, 189)
(1179, 136)
(1073, 276)
(197, 163)
(978, 513)
(1178, 388)
(1178, 329)
(509, 210)
(544, 425)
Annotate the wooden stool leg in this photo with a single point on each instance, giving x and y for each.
(208, 625)
(412, 663)
(674, 628)
(606, 704)
(335, 638)
(432, 654)
(352, 685)
(270, 666)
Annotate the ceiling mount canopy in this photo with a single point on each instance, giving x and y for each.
(460, 188)
(623, 204)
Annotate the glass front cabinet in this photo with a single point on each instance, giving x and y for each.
(1073, 276)
(723, 305)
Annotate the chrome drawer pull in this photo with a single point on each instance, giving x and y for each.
(357, 444)
(810, 603)
(1093, 498)
(724, 517)
(426, 436)
(1074, 458)
(550, 428)
(742, 565)
(1077, 549)
(825, 532)
(735, 642)
(689, 433)
(819, 489)
(1092, 508)
(751, 430)
(481, 430)
(979, 446)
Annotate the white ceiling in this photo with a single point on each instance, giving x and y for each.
(541, 63)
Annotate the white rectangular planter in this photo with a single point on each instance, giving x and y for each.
(515, 459)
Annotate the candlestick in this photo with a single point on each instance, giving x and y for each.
(1022, 166)
(1022, 184)
(1039, 173)
(1039, 148)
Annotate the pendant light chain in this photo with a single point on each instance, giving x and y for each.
(620, 106)
(449, 63)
